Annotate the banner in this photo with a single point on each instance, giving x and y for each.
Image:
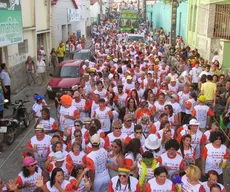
(74, 15)
(10, 22)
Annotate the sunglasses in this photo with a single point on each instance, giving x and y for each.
(129, 120)
(122, 176)
(77, 135)
(32, 165)
(114, 146)
(139, 132)
(117, 128)
(77, 125)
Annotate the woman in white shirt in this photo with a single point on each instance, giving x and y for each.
(41, 70)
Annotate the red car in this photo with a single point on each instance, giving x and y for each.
(66, 77)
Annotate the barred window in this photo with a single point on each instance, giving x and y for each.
(23, 47)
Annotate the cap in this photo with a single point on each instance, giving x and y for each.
(152, 142)
(110, 76)
(173, 96)
(59, 156)
(28, 161)
(194, 122)
(173, 79)
(201, 98)
(87, 120)
(66, 99)
(181, 79)
(92, 70)
(86, 61)
(115, 60)
(129, 77)
(76, 94)
(38, 97)
(86, 74)
(95, 139)
(39, 127)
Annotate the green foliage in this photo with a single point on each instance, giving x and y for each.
(167, 1)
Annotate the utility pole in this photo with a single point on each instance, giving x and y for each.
(101, 11)
(173, 22)
(144, 9)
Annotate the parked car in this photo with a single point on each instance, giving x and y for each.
(135, 37)
(84, 54)
(66, 77)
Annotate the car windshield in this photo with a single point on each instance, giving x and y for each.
(67, 72)
(82, 56)
(135, 38)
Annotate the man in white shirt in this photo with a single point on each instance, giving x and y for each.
(5, 79)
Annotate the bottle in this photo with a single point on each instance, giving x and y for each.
(224, 163)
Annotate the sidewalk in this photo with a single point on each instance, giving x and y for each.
(29, 91)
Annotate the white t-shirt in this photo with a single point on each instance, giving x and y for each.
(41, 66)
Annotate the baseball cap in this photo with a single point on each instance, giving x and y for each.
(173, 96)
(95, 139)
(194, 122)
(129, 77)
(38, 97)
(39, 127)
(28, 161)
(201, 98)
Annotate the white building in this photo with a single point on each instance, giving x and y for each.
(68, 17)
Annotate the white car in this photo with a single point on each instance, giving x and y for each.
(135, 37)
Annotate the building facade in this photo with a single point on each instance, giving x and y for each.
(159, 14)
(210, 32)
(68, 17)
(36, 31)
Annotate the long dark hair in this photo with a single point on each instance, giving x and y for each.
(182, 144)
(135, 106)
(119, 143)
(26, 172)
(134, 147)
(53, 175)
(145, 94)
(118, 184)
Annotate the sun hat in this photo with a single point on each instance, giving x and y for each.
(66, 99)
(87, 120)
(152, 142)
(39, 127)
(194, 122)
(28, 161)
(181, 79)
(95, 139)
(86, 61)
(201, 98)
(59, 156)
(129, 77)
(123, 170)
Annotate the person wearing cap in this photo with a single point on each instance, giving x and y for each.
(42, 53)
(26, 179)
(129, 84)
(39, 145)
(198, 138)
(67, 113)
(201, 112)
(172, 160)
(173, 87)
(96, 163)
(59, 161)
(124, 182)
(37, 107)
(160, 182)
(215, 155)
(82, 105)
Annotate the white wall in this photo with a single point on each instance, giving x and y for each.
(59, 19)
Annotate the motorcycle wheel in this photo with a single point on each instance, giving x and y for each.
(26, 120)
(10, 136)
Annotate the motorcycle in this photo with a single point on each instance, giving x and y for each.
(11, 126)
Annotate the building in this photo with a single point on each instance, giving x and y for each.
(35, 28)
(159, 14)
(68, 17)
(98, 9)
(209, 29)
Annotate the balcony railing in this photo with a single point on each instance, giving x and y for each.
(222, 22)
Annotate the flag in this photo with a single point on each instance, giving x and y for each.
(221, 124)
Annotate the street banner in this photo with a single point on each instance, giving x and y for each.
(11, 30)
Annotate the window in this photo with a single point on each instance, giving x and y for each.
(23, 47)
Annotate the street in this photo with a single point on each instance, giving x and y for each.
(11, 158)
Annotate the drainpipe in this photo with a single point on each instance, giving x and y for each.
(173, 22)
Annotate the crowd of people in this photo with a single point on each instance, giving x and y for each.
(145, 117)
